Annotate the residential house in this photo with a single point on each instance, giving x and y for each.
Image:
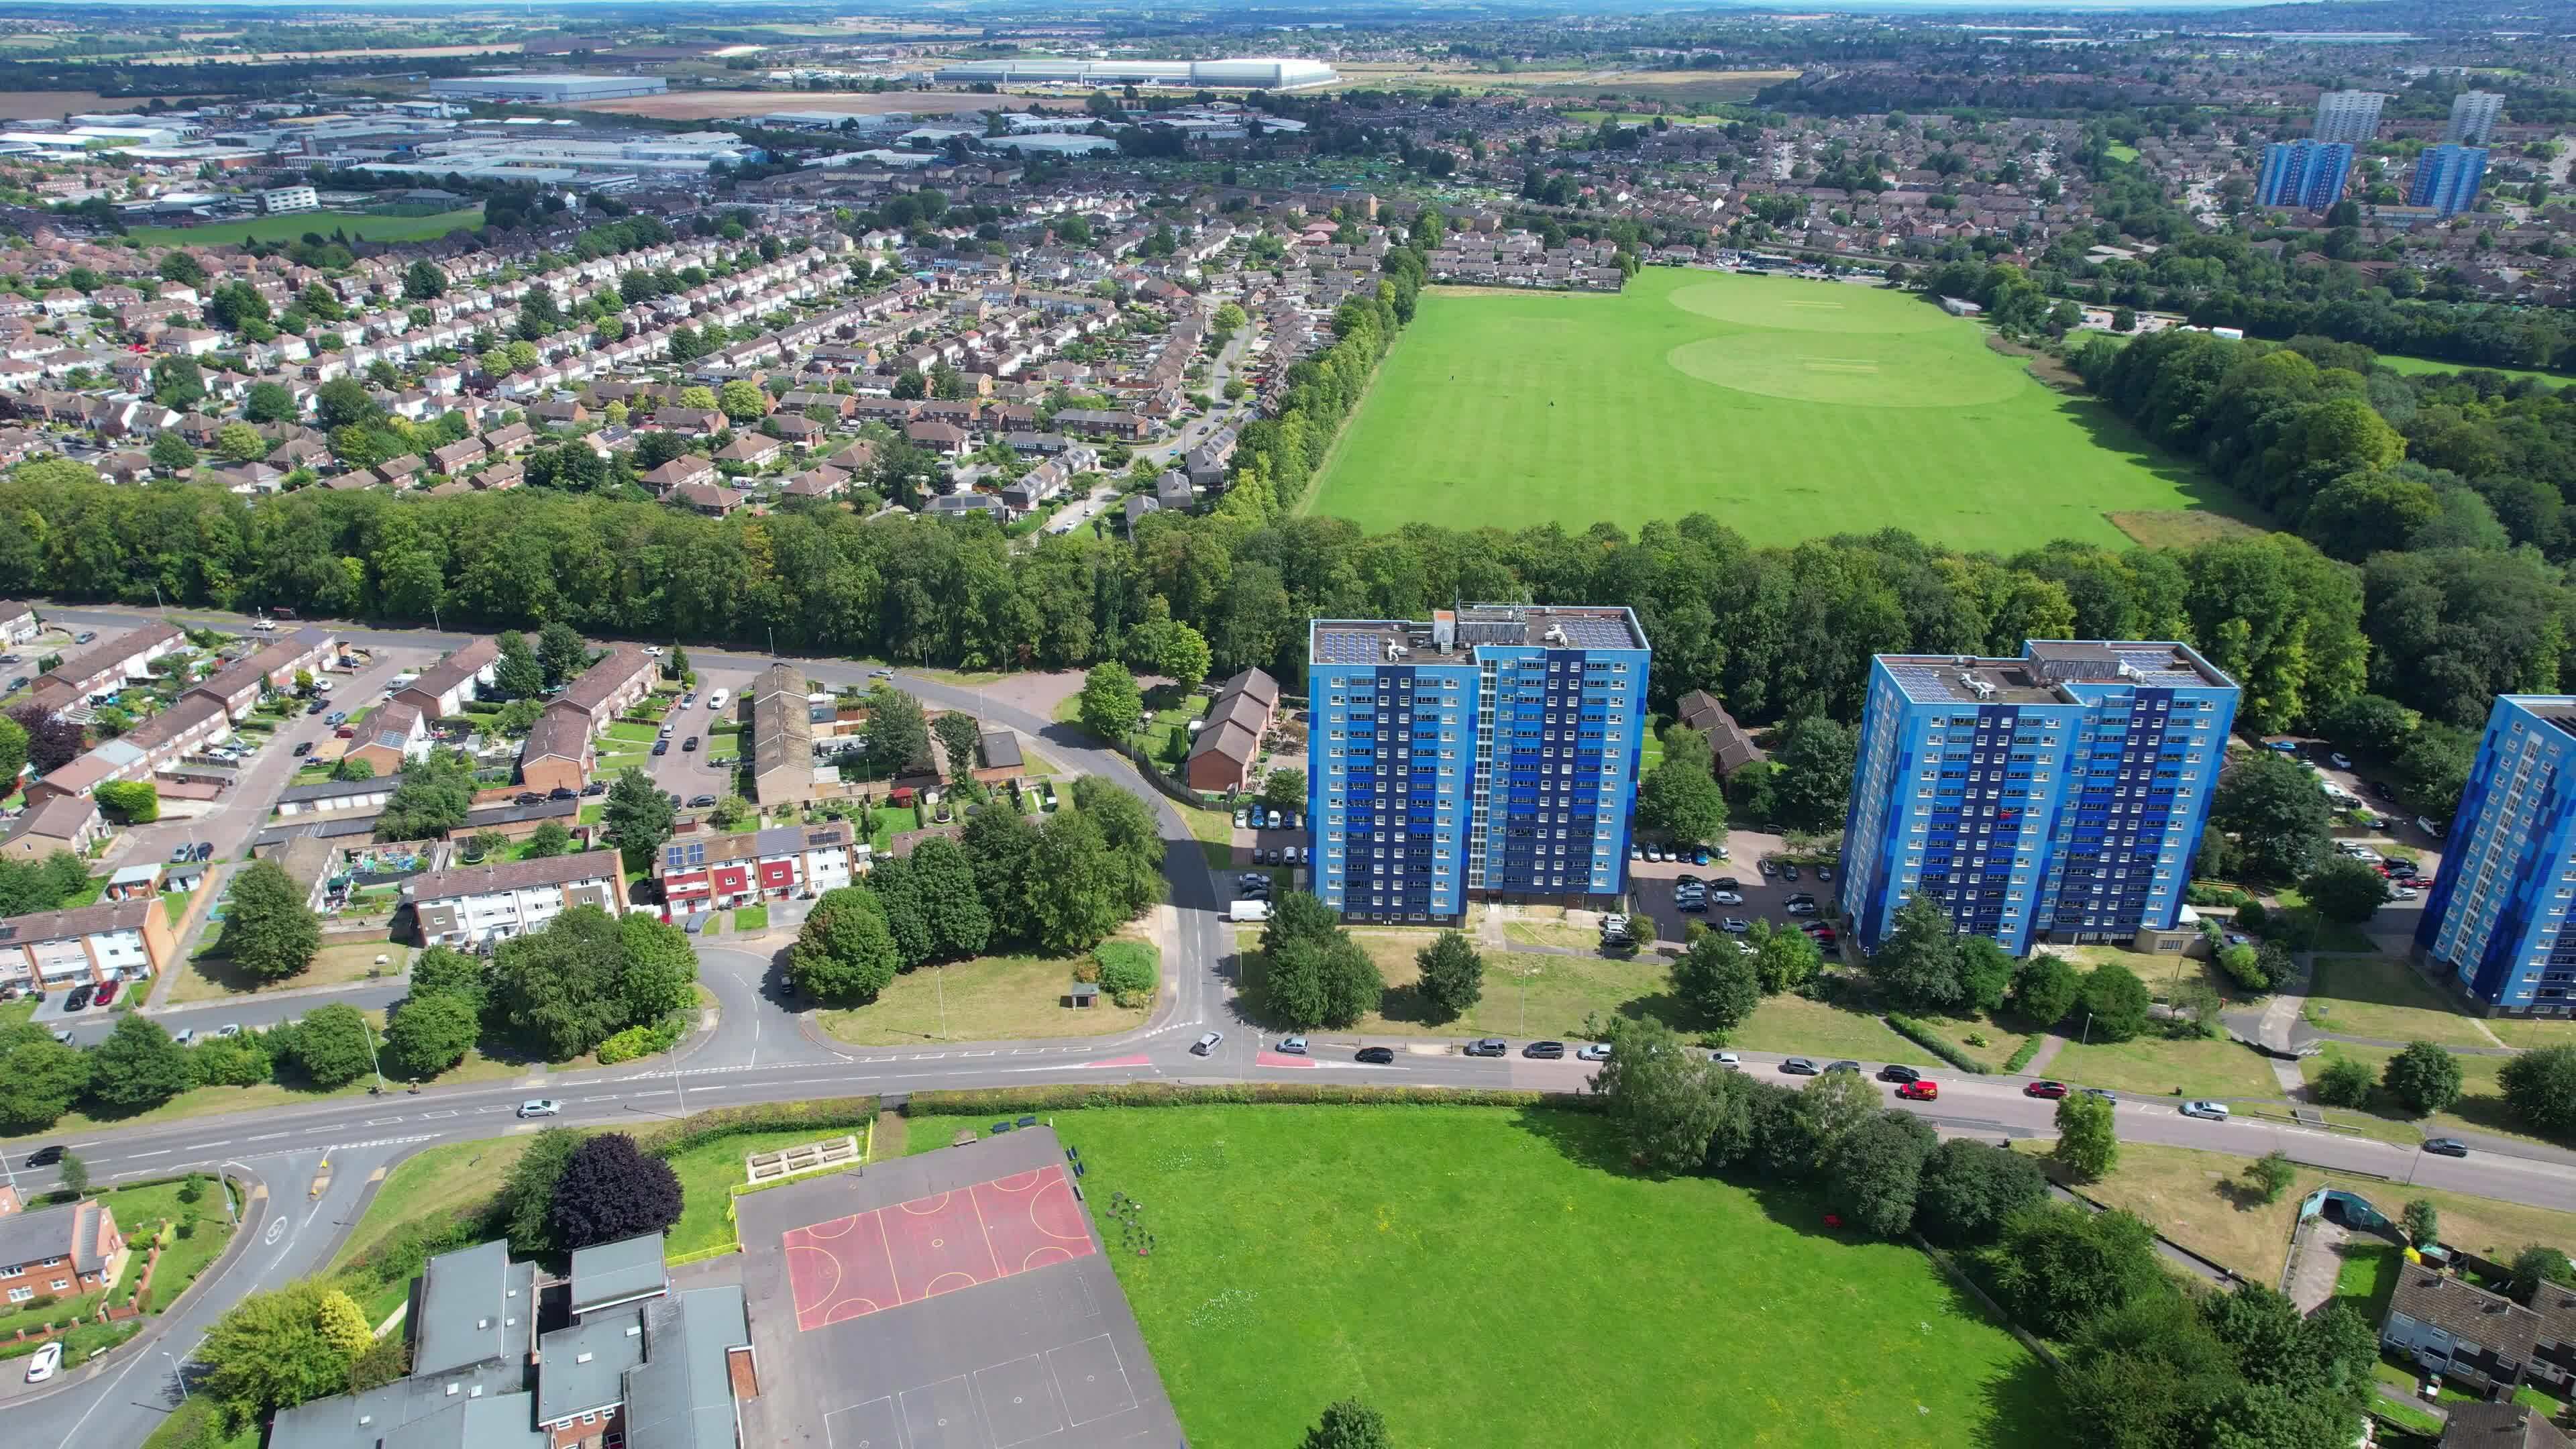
(755, 449)
(556, 753)
(2454, 1329)
(782, 735)
(1730, 748)
(1229, 738)
(708, 498)
(59, 1252)
(239, 685)
(395, 735)
(680, 472)
(61, 822)
(716, 870)
(18, 622)
(469, 905)
(2475, 1425)
(106, 665)
(443, 688)
(1173, 491)
(946, 439)
(113, 940)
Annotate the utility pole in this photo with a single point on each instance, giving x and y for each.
(371, 1056)
(177, 1377)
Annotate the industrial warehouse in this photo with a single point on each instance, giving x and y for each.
(549, 90)
(1259, 74)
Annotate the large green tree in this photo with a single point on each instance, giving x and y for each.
(2423, 1078)
(586, 976)
(335, 1045)
(138, 1067)
(281, 1348)
(637, 814)
(429, 1034)
(40, 1078)
(1680, 797)
(898, 733)
(1451, 977)
(528, 1192)
(844, 955)
(2088, 1140)
(269, 931)
(1718, 979)
(2278, 815)
(1110, 704)
(1918, 964)
(1664, 1098)
(2540, 1087)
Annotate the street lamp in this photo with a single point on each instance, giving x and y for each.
(177, 1377)
(371, 1056)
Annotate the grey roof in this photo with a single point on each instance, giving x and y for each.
(475, 1304)
(516, 875)
(1001, 750)
(2499, 1426)
(32, 1237)
(487, 1423)
(582, 1369)
(617, 1272)
(361, 1421)
(337, 789)
(682, 1398)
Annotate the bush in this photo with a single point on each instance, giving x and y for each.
(1938, 1045)
(2344, 1083)
(2029, 1049)
(626, 1046)
(997, 1101)
(2250, 916)
(1129, 971)
(818, 1113)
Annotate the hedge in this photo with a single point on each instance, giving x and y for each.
(2029, 1049)
(996, 1101)
(1937, 1044)
(821, 1112)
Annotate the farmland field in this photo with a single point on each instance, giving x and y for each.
(1494, 1277)
(1786, 409)
(2417, 365)
(294, 224)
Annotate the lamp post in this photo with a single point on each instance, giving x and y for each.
(371, 1056)
(177, 1377)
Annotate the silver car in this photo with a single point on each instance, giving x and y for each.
(540, 1107)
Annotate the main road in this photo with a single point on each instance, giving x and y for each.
(761, 1049)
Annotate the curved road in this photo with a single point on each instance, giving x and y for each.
(760, 1050)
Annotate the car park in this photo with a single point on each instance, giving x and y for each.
(1206, 1044)
(1728, 1060)
(1788, 870)
(2213, 1111)
(2051, 1090)
(1824, 872)
(1920, 1091)
(1769, 867)
(1546, 1051)
(1798, 1067)
(1593, 1052)
(1294, 1046)
(1894, 1073)
(1725, 898)
(1492, 1046)
(540, 1107)
(1380, 1056)
(2446, 1147)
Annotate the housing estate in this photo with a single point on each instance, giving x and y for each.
(60, 1252)
(109, 941)
(474, 905)
(714, 870)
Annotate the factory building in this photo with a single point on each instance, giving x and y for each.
(1258, 74)
(549, 90)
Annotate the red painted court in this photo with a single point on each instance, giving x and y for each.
(891, 1256)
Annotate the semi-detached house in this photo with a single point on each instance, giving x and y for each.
(114, 940)
(471, 905)
(715, 871)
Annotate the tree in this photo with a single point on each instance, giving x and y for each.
(276, 1350)
(74, 1174)
(1986, 971)
(1349, 1424)
(40, 1079)
(137, 1068)
(240, 443)
(2114, 1001)
(2059, 1265)
(2088, 1141)
(1719, 980)
(135, 802)
(2423, 1077)
(269, 931)
(2540, 1087)
(2423, 1222)
(1075, 896)
(585, 977)
(178, 382)
(2344, 890)
(1111, 705)
(2280, 818)
(549, 839)
(528, 1192)
(1969, 1188)
(1813, 783)
(517, 674)
(1284, 790)
(2539, 1264)
(1452, 977)
(1662, 1097)
(2344, 1083)
(353, 767)
(843, 955)
(1326, 981)
(54, 739)
(2272, 1175)
(609, 1191)
(171, 454)
(1877, 1172)
(433, 798)
(742, 401)
(961, 739)
(898, 735)
(429, 1034)
(269, 402)
(1680, 796)
(1918, 964)
(423, 281)
(729, 811)
(561, 654)
(1783, 959)
(335, 1045)
(637, 815)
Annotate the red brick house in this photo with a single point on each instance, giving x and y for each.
(62, 1251)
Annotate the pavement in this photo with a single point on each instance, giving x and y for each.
(758, 1048)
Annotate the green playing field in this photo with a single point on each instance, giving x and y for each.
(1787, 409)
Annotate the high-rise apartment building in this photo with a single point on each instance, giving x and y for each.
(2058, 796)
(1489, 752)
(2447, 178)
(2473, 117)
(2351, 116)
(2498, 918)
(2308, 174)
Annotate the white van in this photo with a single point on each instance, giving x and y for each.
(716, 701)
(1242, 911)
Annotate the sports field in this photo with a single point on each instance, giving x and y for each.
(1787, 409)
(1497, 1277)
(295, 224)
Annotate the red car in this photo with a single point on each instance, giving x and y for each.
(106, 993)
(2044, 1089)
(1920, 1091)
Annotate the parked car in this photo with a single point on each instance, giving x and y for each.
(1593, 1052)
(107, 992)
(44, 1362)
(1380, 1056)
(1920, 1091)
(1206, 1044)
(1273, 818)
(1894, 1073)
(595, 787)
(317, 706)
(540, 1107)
(2213, 1111)
(345, 732)
(1725, 898)
(229, 1030)
(2101, 1093)
(1729, 1060)
(84, 636)
(1845, 1065)
(1242, 818)
(1735, 926)
(701, 802)
(1769, 867)
(2339, 761)
(563, 792)
(1694, 903)
(2051, 1090)
(1800, 908)
(1546, 1051)
(1824, 872)
(528, 797)
(1636, 851)
(1492, 1046)
(303, 748)
(184, 1036)
(661, 747)
(1294, 1046)
(1798, 1067)
(1788, 870)
(1699, 855)
(2446, 1147)
(78, 1000)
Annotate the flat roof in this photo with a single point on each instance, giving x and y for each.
(2050, 671)
(616, 1272)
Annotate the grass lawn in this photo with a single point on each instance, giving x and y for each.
(1308, 1253)
(1790, 409)
(296, 224)
(207, 1101)
(211, 976)
(2414, 366)
(990, 998)
(2151, 1066)
(182, 1258)
(2197, 1199)
(751, 918)
(707, 1172)
(2481, 1107)
(892, 819)
(2368, 1277)
(2378, 996)
(2534, 1032)
(435, 1182)
(197, 1424)
(642, 734)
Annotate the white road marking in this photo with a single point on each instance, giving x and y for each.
(265, 1137)
(138, 1156)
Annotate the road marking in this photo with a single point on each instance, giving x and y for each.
(265, 1137)
(450, 1112)
(137, 1156)
(276, 1230)
(602, 1097)
(382, 1121)
(227, 1142)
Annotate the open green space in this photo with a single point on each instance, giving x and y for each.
(2154, 1066)
(2414, 366)
(708, 1173)
(1304, 1254)
(1786, 409)
(2377, 996)
(988, 998)
(293, 225)
(435, 1182)
(2481, 1107)
(142, 1212)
